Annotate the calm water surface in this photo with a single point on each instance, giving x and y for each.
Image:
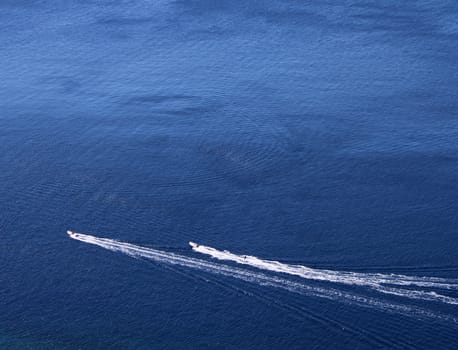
(316, 133)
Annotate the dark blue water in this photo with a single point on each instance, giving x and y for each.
(318, 133)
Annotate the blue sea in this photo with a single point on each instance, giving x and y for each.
(308, 148)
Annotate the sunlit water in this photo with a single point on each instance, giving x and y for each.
(318, 139)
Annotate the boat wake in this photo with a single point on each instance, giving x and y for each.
(375, 281)
(400, 285)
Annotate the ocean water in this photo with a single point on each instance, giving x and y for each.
(315, 141)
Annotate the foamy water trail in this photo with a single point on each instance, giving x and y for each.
(385, 283)
(258, 278)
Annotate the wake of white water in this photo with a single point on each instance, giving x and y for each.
(256, 277)
(381, 282)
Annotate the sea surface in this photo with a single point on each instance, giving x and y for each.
(315, 141)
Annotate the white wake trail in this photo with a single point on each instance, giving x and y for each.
(258, 278)
(381, 282)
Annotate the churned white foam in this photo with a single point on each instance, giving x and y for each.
(255, 277)
(381, 282)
